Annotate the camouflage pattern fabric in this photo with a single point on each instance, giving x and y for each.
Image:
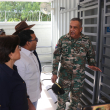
(75, 88)
(72, 54)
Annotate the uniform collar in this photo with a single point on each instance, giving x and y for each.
(68, 35)
(8, 69)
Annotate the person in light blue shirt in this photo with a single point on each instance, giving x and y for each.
(2, 32)
(28, 66)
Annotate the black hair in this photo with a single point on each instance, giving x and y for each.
(25, 36)
(8, 44)
(77, 19)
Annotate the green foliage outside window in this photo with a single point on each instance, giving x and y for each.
(18, 11)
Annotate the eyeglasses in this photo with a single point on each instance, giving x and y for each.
(36, 39)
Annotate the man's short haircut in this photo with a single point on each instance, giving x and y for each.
(25, 36)
(77, 19)
(8, 44)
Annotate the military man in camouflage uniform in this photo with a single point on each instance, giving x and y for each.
(71, 51)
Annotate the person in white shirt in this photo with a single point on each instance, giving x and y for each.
(28, 66)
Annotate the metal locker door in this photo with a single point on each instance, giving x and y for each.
(104, 82)
(89, 12)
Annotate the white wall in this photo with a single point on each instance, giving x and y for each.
(42, 31)
(61, 18)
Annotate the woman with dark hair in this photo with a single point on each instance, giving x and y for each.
(13, 95)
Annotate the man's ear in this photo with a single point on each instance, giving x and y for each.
(10, 55)
(81, 29)
(27, 43)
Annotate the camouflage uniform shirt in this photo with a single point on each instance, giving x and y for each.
(72, 54)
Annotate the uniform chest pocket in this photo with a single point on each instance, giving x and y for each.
(82, 51)
(66, 50)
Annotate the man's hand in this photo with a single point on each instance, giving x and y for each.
(94, 68)
(54, 78)
(31, 106)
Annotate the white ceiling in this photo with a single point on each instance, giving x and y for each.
(29, 0)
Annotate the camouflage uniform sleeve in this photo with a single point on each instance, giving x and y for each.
(90, 54)
(56, 57)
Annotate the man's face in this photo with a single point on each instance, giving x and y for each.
(33, 42)
(75, 29)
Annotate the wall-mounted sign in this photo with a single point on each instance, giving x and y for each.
(108, 29)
